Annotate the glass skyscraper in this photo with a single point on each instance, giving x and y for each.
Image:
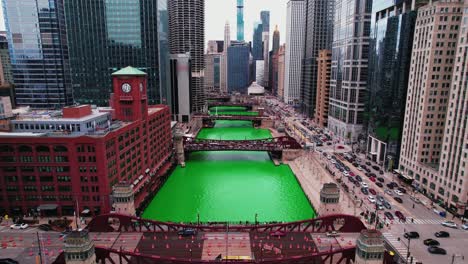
(238, 67)
(240, 20)
(257, 43)
(106, 35)
(37, 42)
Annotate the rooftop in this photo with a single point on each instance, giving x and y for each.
(129, 71)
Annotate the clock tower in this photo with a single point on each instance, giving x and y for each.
(130, 97)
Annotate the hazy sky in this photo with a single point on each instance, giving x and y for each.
(218, 11)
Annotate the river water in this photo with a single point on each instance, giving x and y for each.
(230, 185)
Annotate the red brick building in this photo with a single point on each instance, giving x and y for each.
(56, 162)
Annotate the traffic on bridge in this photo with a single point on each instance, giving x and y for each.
(271, 145)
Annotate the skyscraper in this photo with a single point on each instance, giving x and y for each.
(281, 71)
(389, 62)
(213, 59)
(240, 20)
(318, 36)
(238, 67)
(100, 42)
(323, 87)
(276, 39)
(6, 76)
(433, 149)
(265, 17)
(257, 42)
(295, 32)
(224, 71)
(350, 55)
(37, 41)
(187, 34)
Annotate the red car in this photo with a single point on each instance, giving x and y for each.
(400, 216)
(340, 147)
(351, 174)
(372, 191)
(372, 179)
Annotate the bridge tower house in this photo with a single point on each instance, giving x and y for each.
(123, 196)
(79, 249)
(179, 146)
(329, 199)
(369, 247)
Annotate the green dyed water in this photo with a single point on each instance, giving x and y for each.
(230, 185)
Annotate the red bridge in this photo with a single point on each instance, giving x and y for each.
(248, 105)
(125, 239)
(277, 144)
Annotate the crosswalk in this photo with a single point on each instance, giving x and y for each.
(398, 246)
(420, 221)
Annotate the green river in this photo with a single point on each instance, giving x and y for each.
(230, 185)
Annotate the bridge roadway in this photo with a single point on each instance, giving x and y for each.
(271, 145)
(230, 117)
(212, 104)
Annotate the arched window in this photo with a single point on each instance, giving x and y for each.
(60, 149)
(24, 148)
(42, 149)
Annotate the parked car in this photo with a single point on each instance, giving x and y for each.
(45, 227)
(372, 179)
(187, 232)
(395, 185)
(387, 205)
(442, 234)
(363, 184)
(400, 216)
(464, 226)
(403, 190)
(398, 192)
(368, 163)
(389, 215)
(411, 235)
(390, 186)
(356, 183)
(450, 224)
(398, 199)
(380, 179)
(358, 178)
(379, 184)
(364, 191)
(437, 250)
(377, 168)
(372, 191)
(352, 174)
(381, 172)
(388, 191)
(431, 242)
(19, 226)
(372, 175)
(371, 199)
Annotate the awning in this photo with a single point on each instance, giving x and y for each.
(136, 182)
(147, 170)
(141, 177)
(85, 211)
(45, 207)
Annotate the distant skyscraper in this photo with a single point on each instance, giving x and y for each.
(350, 56)
(213, 60)
(224, 70)
(295, 33)
(187, 34)
(433, 148)
(276, 39)
(38, 48)
(323, 87)
(259, 78)
(109, 43)
(257, 42)
(281, 71)
(240, 20)
(6, 76)
(181, 106)
(318, 36)
(238, 67)
(389, 63)
(215, 46)
(265, 17)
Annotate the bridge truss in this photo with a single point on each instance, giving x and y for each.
(277, 144)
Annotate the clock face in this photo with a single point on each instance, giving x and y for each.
(126, 88)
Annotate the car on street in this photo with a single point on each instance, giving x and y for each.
(333, 234)
(365, 185)
(377, 168)
(358, 178)
(372, 179)
(411, 235)
(356, 183)
(388, 191)
(352, 174)
(8, 261)
(372, 191)
(400, 216)
(368, 163)
(45, 227)
(381, 172)
(403, 190)
(398, 199)
(187, 232)
(437, 250)
(387, 205)
(278, 233)
(442, 234)
(390, 186)
(431, 242)
(340, 147)
(380, 179)
(398, 192)
(19, 226)
(380, 198)
(389, 215)
(364, 191)
(372, 175)
(464, 226)
(371, 199)
(379, 184)
(450, 224)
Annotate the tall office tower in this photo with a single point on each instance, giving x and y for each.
(389, 62)
(257, 42)
(259, 78)
(213, 71)
(224, 70)
(276, 39)
(240, 20)
(238, 67)
(349, 69)
(295, 32)
(181, 106)
(323, 87)
(100, 42)
(281, 71)
(318, 36)
(215, 46)
(265, 17)
(6, 76)
(38, 48)
(433, 143)
(187, 34)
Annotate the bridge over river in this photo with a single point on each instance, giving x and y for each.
(277, 144)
